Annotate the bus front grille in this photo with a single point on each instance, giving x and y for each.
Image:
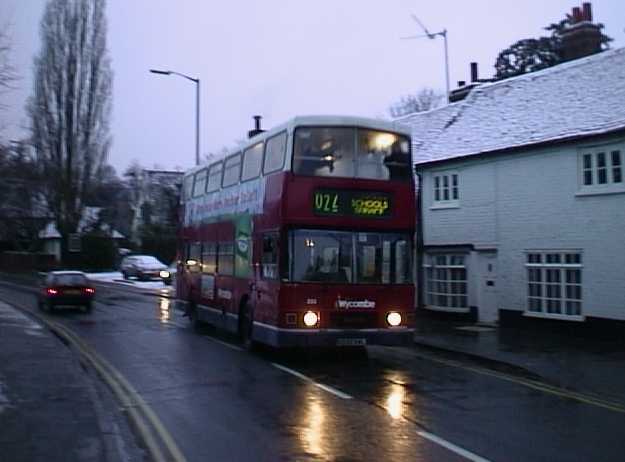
(353, 320)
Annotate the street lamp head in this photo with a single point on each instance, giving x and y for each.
(156, 71)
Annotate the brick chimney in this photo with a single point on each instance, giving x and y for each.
(464, 89)
(582, 37)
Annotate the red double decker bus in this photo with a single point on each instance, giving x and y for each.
(304, 236)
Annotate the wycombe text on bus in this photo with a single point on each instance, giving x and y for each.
(304, 236)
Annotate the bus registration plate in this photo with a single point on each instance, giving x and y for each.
(351, 342)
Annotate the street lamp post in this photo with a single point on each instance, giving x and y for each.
(197, 107)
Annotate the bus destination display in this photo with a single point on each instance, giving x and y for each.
(351, 203)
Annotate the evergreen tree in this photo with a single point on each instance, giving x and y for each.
(529, 55)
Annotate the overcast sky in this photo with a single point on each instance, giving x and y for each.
(278, 58)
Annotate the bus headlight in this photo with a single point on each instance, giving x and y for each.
(393, 318)
(311, 319)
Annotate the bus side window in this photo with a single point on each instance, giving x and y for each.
(252, 161)
(193, 259)
(275, 149)
(209, 258)
(270, 256)
(225, 258)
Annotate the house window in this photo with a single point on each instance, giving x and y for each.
(617, 172)
(446, 284)
(554, 283)
(446, 189)
(602, 169)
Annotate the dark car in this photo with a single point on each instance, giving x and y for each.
(143, 267)
(66, 288)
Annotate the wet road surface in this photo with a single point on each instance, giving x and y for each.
(221, 403)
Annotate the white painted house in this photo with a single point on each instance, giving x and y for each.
(523, 196)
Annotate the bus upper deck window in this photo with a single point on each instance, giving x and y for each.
(275, 149)
(326, 151)
(383, 155)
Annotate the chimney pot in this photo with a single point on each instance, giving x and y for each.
(587, 11)
(577, 15)
(474, 74)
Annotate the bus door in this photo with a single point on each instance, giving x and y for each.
(224, 290)
(268, 279)
(209, 268)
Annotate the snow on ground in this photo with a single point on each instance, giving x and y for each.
(117, 278)
(110, 277)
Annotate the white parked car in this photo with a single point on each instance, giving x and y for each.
(143, 267)
(169, 275)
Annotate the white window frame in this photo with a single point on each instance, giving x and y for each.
(562, 285)
(611, 169)
(430, 267)
(443, 186)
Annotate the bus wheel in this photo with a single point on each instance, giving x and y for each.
(246, 324)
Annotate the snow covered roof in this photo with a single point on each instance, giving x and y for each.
(579, 98)
(49, 232)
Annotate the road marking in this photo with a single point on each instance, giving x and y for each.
(138, 410)
(305, 378)
(126, 392)
(427, 435)
(533, 384)
(451, 446)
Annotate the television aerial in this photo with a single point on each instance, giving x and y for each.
(432, 36)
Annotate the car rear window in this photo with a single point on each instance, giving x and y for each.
(70, 280)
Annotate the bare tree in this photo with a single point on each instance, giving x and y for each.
(8, 74)
(70, 106)
(424, 100)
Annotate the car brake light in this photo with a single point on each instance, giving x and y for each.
(52, 291)
(89, 290)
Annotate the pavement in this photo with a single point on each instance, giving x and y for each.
(583, 364)
(50, 408)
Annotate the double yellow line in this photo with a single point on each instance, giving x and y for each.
(157, 439)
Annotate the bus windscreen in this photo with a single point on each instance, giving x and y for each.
(350, 257)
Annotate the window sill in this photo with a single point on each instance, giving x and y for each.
(560, 317)
(447, 309)
(445, 205)
(600, 191)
